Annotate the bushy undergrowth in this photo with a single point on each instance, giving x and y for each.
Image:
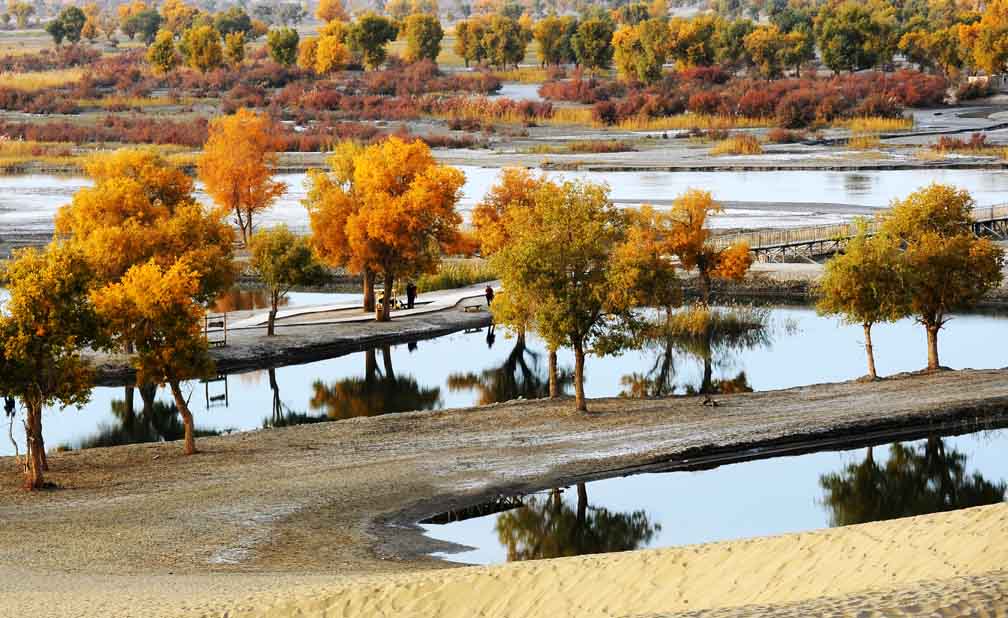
(793, 103)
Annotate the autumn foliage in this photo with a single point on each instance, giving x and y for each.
(385, 209)
(237, 166)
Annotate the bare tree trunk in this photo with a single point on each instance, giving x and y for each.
(274, 305)
(932, 341)
(869, 351)
(368, 290)
(241, 225)
(187, 417)
(35, 466)
(383, 313)
(579, 360)
(554, 381)
(705, 285)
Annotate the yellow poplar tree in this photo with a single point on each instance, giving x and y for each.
(237, 166)
(45, 323)
(947, 267)
(141, 208)
(156, 312)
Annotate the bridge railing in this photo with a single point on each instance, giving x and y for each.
(764, 239)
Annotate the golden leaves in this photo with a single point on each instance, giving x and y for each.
(237, 166)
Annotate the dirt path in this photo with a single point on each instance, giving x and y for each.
(313, 501)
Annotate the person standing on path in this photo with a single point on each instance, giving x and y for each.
(489, 295)
(411, 291)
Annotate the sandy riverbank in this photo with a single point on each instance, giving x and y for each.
(309, 505)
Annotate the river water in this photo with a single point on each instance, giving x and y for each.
(28, 203)
(469, 368)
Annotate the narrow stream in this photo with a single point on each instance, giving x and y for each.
(743, 500)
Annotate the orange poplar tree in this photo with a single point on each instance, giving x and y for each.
(157, 312)
(394, 211)
(237, 166)
(689, 242)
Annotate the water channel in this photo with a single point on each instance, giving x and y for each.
(797, 348)
(742, 500)
(29, 202)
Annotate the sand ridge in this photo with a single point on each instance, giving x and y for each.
(946, 564)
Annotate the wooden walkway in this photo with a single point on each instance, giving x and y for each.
(809, 243)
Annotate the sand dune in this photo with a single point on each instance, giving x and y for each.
(943, 565)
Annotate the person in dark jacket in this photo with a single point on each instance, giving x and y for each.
(410, 294)
(489, 295)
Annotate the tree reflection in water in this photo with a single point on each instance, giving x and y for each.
(520, 375)
(915, 480)
(283, 415)
(156, 422)
(236, 299)
(380, 391)
(726, 334)
(547, 527)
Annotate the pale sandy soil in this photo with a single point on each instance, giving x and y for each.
(939, 565)
(142, 531)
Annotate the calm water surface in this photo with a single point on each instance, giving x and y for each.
(28, 203)
(756, 498)
(464, 369)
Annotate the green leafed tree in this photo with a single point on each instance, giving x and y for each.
(423, 37)
(865, 285)
(559, 252)
(282, 260)
(161, 54)
(592, 44)
(369, 36)
(283, 45)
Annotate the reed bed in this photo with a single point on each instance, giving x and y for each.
(34, 81)
(456, 274)
(584, 146)
(873, 124)
(693, 121)
(524, 75)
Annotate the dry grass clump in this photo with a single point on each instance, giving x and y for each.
(864, 142)
(876, 124)
(33, 81)
(571, 115)
(741, 144)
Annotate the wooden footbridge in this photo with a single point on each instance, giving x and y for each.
(818, 241)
